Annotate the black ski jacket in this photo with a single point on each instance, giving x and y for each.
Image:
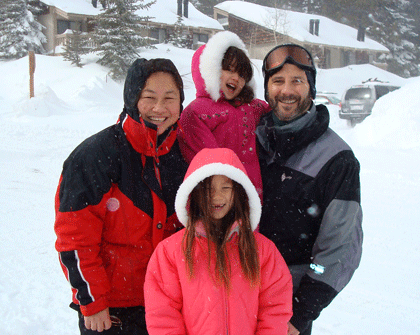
(311, 207)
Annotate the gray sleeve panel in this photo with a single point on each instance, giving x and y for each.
(311, 160)
(338, 247)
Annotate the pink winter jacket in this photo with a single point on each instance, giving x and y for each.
(176, 304)
(210, 121)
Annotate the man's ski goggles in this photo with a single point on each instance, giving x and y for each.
(288, 52)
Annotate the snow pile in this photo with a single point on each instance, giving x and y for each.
(395, 120)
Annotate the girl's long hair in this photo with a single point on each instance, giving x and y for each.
(237, 60)
(199, 211)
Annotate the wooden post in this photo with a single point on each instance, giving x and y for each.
(31, 73)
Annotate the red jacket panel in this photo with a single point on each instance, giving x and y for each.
(111, 211)
(176, 304)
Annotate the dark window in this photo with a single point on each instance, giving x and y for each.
(381, 91)
(345, 58)
(200, 39)
(393, 88)
(154, 33)
(62, 26)
(203, 38)
(358, 93)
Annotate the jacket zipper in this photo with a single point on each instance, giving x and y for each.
(226, 311)
(156, 163)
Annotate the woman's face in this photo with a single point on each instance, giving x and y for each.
(160, 101)
(221, 196)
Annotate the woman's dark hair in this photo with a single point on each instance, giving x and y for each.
(218, 233)
(236, 59)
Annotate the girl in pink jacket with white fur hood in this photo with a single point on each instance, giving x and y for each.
(217, 276)
(225, 113)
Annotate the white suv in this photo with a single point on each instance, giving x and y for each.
(358, 100)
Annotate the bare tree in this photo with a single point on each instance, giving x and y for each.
(276, 19)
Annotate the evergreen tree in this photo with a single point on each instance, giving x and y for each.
(19, 32)
(36, 7)
(179, 36)
(75, 47)
(118, 35)
(390, 22)
(401, 36)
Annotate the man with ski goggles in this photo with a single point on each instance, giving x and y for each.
(311, 186)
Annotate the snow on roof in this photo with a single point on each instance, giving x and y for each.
(84, 7)
(296, 25)
(163, 11)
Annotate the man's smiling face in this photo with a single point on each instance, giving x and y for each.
(288, 92)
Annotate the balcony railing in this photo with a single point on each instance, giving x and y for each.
(62, 40)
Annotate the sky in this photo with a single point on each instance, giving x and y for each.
(73, 103)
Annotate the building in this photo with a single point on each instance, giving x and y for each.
(164, 15)
(61, 17)
(331, 43)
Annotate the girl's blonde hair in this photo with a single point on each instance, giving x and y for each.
(218, 234)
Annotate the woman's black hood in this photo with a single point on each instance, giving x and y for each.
(137, 75)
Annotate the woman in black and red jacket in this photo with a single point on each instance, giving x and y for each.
(115, 201)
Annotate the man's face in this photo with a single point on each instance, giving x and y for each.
(289, 92)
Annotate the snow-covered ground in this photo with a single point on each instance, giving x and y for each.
(71, 104)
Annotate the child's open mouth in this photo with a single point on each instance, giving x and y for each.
(231, 87)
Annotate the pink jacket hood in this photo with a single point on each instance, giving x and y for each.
(219, 161)
(206, 65)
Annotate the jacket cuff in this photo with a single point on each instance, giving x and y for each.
(310, 299)
(94, 307)
(300, 323)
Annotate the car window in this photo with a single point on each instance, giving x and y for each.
(358, 93)
(393, 88)
(381, 91)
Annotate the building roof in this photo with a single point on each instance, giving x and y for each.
(163, 11)
(83, 7)
(296, 25)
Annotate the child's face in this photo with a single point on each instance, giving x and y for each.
(221, 196)
(231, 83)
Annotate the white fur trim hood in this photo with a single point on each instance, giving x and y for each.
(210, 162)
(211, 60)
